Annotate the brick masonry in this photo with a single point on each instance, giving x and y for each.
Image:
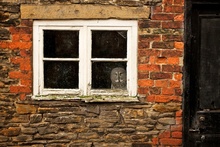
(154, 121)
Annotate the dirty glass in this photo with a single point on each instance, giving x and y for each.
(109, 44)
(103, 78)
(61, 44)
(61, 74)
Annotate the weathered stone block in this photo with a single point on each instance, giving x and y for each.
(3, 138)
(35, 118)
(83, 12)
(11, 131)
(29, 130)
(170, 107)
(167, 121)
(4, 34)
(21, 138)
(25, 109)
(48, 129)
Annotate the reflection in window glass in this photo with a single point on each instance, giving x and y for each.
(109, 44)
(61, 44)
(109, 75)
(60, 74)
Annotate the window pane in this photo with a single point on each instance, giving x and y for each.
(109, 75)
(109, 44)
(58, 74)
(61, 44)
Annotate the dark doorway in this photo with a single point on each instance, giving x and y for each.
(202, 74)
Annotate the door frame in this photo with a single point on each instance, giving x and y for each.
(188, 86)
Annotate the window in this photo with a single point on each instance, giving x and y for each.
(90, 57)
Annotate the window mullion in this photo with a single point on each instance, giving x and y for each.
(41, 71)
(82, 61)
(89, 56)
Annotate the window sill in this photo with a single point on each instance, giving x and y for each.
(88, 99)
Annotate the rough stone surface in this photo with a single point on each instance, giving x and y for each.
(83, 12)
(155, 120)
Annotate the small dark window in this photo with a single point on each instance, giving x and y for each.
(109, 75)
(109, 44)
(61, 44)
(61, 74)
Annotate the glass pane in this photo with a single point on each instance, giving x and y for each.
(61, 44)
(109, 75)
(58, 74)
(109, 44)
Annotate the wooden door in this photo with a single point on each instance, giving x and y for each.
(202, 74)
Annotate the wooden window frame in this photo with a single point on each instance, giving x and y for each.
(85, 27)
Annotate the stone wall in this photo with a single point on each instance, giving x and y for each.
(154, 121)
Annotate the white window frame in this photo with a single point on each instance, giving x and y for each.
(85, 27)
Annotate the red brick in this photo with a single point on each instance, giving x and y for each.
(22, 96)
(175, 84)
(163, 45)
(20, 30)
(157, 9)
(25, 64)
(165, 134)
(148, 38)
(176, 134)
(16, 38)
(161, 83)
(166, 98)
(179, 45)
(143, 90)
(172, 25)
(143, 44)
(25, 45)
(178, 76)
(178, 38)
(4, 44)
(26, 23)
(171, 68)
(150, 52)
(163, 17)
(177, 128)
(179, 2)
(25, 53)
(178, 120)
(173, 9)
(155, 141)
(170, 141)
(167, 91)
(161, 60)
(149, 24)
(152, 60)
(172, 53)
(179, 113)
(155, 90)
(151, 98)
(14, 45)
(168, 2)
(26, 82)
(160, 75)
(26, 37)
(178, 91)
(147, 67)
(20, 75)
(179, 17)
(143, 75)
(173, 60)
(145, 83)
(19, 89)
